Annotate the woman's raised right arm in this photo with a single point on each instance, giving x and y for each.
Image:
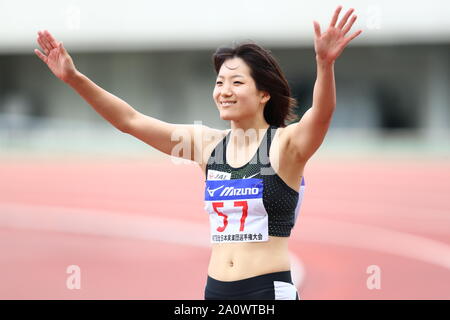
(113, 109)
(120, 114)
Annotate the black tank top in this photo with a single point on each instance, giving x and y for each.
(260, 201)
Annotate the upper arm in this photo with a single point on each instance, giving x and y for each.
(179, 140)
(306, 136)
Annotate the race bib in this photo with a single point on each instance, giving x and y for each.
(236, 210)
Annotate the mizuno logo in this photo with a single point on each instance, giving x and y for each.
(231, 191)
(211, 191)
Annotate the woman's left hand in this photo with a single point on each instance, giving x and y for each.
(329, 45)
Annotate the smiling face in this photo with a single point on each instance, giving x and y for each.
(235, 93)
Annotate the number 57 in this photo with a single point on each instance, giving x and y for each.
(242, 204)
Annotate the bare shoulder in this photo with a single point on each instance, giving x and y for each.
(206, 141)
(284, 160)
(284, 137)
(287, 131)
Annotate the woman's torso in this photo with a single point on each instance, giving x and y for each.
(235, 261)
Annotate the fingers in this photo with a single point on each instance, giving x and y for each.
(50, 39)
(317, 28)
(61, 47)
(335, 16)
(40, 55)
(44, 43)
(349, 25)
(353, 36)
(345, 18)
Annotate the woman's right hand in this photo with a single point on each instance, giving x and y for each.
(55, 56)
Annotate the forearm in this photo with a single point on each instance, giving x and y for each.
(324, 95)
(111, 108)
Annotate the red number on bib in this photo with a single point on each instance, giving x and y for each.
(225, 217)
(242, 204)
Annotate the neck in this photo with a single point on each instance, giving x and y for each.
(246, 124)
(253, 129)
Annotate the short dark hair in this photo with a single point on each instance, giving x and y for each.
(267, 74)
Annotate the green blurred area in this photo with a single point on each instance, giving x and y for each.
(392, 101)
(78, 140)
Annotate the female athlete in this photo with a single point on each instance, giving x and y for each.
(252, 202)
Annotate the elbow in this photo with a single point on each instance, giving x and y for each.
(124, 128)
(127, 123)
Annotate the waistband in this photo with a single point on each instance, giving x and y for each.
(249, 284)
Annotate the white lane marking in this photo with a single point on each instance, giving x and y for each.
(374, 238)
(107, 223)
(103, 222)
(387, 209)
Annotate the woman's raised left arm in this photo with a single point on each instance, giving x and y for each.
(307, 135)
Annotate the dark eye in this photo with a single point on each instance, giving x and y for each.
(220, 82)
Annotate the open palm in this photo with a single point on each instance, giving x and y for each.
(55, 56)
(330, 44)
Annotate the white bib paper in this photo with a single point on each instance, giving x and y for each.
(236, 210)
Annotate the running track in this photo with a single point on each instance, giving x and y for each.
(137, 229)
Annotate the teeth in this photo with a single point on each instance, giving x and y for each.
(228, 103)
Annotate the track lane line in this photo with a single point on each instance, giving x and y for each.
(112, 224)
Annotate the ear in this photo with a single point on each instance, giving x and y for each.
(265, 97)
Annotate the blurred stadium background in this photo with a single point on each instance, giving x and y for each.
(391, 128)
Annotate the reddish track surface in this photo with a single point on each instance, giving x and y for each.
(137, 230)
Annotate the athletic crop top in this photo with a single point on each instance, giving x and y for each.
(249, 203)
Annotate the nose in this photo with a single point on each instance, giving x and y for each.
(225, 91)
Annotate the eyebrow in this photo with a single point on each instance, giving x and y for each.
(236, 75)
